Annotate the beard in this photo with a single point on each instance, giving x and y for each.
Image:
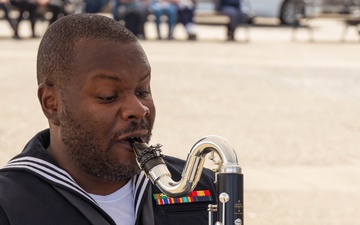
(92, 152)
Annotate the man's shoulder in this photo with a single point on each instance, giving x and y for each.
(13, 181)
(26, 194)
(16, 187)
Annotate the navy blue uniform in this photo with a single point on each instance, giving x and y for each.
(35, 191)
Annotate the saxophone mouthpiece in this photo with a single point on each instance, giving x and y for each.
(133, 140)
(147, 156)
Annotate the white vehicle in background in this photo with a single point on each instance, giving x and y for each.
(285, 10)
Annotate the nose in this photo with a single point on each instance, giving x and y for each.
(133, 108)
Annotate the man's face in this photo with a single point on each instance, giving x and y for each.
(108, 100)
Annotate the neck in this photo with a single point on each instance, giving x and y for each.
(94, 185)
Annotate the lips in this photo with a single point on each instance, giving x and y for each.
(140, 135)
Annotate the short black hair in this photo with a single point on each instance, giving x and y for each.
(57, 48)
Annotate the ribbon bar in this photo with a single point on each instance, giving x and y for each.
(194, 196)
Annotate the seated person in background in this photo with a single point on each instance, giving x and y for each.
(25, 6)
(134, 13)
(233, 9)
(168, 8)
(186, 14)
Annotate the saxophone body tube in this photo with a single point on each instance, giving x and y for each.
(230, 208)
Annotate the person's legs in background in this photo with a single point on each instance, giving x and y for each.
(168, 9)
(24, 6)
(5, 8)
(143, 12)
(186, 15)
(158, 12)
(32, 17)
(132, 20)
(235, 17)
(171, 12)
(114, 9)
(55, 11)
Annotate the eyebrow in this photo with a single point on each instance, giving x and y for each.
(116, 78)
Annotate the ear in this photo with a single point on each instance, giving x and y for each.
(49, 98)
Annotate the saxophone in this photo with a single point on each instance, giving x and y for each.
(229, 209)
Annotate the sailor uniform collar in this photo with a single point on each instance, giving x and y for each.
(59, 177)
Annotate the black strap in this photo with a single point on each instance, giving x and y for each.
(86, 209)
(147, 213)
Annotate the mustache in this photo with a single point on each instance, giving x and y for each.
(132, 127)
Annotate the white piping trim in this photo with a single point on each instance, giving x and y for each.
(142, 190)
(60, 175)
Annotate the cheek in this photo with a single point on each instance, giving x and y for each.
(95, 119)
(103, 121)
(87, 110)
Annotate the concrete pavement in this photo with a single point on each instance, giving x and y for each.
(290, 109)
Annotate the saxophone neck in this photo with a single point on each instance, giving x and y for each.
(150, 160)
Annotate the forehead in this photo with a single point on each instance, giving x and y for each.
(103, 56)
(106, 49)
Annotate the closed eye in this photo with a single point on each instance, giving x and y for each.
(108, 99)
(143, 94)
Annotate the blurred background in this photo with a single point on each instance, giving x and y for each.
(285, 92)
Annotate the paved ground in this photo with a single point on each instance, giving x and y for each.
(290, 109)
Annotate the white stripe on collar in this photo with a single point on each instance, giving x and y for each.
(139, 185)
(57, 175)
(49, 172)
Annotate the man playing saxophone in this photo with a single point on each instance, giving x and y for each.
(94, 89)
